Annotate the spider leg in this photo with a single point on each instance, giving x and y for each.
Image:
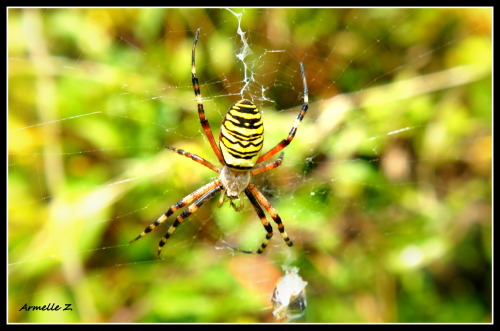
(199, 101)
(195, 158)
(237, 208)
(272, 212)
(181, 203)
(186, 213)
(299, 118)
(264, 221)
(268, 166)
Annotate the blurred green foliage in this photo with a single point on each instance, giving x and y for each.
(390, 209)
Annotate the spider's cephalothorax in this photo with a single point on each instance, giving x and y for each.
(240, 143)
(234, 181)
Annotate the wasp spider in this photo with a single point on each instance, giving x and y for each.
(240, 143)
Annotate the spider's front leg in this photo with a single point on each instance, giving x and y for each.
(272, 212)
(181, 203)
(186, 213)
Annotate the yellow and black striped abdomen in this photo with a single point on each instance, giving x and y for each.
(241, 135)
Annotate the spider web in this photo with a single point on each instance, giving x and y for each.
(87, 169)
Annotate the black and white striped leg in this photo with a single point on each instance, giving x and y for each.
(272, 212)
(193, 208)
(195, 158)
(181, 203)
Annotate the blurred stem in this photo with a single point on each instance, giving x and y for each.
(46, 109)
(45, 101)
(339, 106)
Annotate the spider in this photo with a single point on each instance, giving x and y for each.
(240, 143)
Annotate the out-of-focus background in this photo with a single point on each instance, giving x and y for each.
(386, 189)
